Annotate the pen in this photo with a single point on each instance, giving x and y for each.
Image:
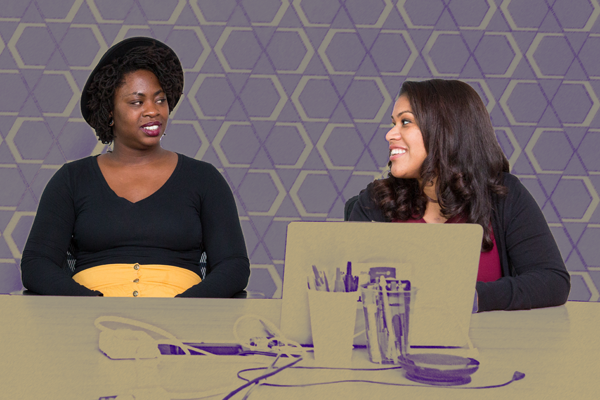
(326, 282)
(405, 311)
(316, 272)
(396, 302)
(339, 283)
(318, 284)
(399, 334)
(374, 349)
(391, 353)
(382, 331)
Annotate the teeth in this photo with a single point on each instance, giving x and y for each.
(393, 152)
(152, 127)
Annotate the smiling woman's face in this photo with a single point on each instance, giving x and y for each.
(140, 111)
(407, 149)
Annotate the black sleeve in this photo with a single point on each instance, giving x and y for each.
(224, 243)
(365, 208)
(48, 241)
(538, 276)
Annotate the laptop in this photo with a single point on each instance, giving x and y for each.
(440, 260)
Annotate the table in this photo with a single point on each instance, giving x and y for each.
(49, 350)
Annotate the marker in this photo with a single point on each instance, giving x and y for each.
(348, 277)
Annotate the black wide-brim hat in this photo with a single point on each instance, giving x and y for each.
(116, 51)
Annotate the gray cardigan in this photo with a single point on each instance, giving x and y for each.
(533, 272)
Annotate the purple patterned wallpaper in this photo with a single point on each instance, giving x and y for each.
(291, 101)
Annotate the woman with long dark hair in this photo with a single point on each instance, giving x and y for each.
(446, 166)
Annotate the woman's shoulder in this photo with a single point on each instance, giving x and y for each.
(509, 179)
(513, 185)
(71, 176)
(517, 195)
(365, 208)
(73, 169)
(199, 171)
(365, 196)
(195, 165)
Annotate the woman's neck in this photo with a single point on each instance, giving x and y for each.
(133, 157)
(433, 214)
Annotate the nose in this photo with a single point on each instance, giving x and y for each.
(151, 109)
(393, 133)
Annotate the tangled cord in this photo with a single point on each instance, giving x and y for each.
(275, 341)
(517, 376)
(264, 376)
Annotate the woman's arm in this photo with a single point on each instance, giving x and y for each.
(48, 241)
(538, 276)
(224, 243)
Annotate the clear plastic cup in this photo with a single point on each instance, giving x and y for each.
(387, 318)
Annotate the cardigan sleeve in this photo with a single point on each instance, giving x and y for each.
(365, 209)
(537, 276)
(48, 241)
(228, 266)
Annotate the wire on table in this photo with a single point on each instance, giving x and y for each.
(271, 368)
(264, 376)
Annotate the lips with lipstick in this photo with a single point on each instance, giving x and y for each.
(152, 128)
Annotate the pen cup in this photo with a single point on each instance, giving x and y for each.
(332, 319)
(387, 317)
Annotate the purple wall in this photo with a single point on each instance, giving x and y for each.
(291, 101)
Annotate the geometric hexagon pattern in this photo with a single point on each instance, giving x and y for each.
(290, 101)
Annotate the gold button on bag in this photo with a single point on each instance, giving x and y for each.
(136, 266)
(135, 293)
(136, 280)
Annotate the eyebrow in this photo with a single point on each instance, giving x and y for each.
(402, 112)
(142, 94)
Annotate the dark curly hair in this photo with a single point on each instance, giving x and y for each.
(161, 62)
(463, 157)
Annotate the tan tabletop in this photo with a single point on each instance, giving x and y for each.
(49, 350)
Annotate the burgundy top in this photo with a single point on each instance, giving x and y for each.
(489, 262)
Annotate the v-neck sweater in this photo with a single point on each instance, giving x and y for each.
(194, 211)
(533, 272)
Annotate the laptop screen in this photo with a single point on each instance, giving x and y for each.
(440, 260)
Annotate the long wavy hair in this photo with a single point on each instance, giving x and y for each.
(464, 158)
(161, 62)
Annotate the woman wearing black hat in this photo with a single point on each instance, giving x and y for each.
(138, 218)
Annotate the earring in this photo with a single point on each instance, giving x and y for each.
(111, 121)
